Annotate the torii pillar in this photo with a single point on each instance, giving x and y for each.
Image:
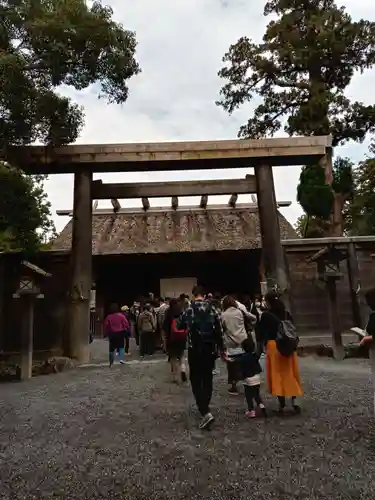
(272, 250)
(81, 268)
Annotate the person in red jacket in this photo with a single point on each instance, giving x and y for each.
(116, 325)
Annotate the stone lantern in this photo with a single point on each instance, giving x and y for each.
(28, 290)
(328, 261)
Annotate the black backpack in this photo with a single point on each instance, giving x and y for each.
(202, 325)
(287, 339)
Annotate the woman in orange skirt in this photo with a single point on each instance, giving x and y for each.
(282, 373)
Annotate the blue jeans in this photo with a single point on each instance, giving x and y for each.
(121, 355)
(116, 341)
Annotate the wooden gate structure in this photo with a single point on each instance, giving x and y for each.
(85, 160)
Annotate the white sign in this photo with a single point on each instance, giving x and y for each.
(174, 287)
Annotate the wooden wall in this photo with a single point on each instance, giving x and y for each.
(309, 298)
(309, 309)
(366, 263)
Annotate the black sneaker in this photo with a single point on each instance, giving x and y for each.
(206, 421)
(233, 391)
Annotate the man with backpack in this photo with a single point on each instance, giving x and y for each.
(205, 338)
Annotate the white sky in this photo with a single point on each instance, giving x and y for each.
(181, 44)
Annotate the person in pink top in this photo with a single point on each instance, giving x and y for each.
(116, 327)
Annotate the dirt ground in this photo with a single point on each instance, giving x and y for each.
(128, 433)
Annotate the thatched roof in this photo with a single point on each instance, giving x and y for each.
(184, 230)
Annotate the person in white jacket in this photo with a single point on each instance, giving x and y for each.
(248, 314)
(233, 317)
(242, 361)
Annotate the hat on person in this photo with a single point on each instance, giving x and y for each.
(124, 308)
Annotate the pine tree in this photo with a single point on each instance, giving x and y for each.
(362, 210)
(300, 71)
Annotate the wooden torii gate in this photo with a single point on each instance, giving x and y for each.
(84, 161)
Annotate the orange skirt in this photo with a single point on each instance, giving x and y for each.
(282, 373)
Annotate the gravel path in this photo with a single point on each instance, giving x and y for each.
(127, 433)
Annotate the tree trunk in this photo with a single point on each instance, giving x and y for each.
(326, 164)
(337, 345)
(337, 228)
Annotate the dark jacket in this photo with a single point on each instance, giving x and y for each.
(203, 324)
(269, 324)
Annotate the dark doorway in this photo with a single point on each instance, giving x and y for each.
(125, 278)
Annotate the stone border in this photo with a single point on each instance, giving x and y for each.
(11, 371)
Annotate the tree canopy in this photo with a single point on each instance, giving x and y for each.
(361, 212)
(48, 44)
(25, 212)
(45, 46)
(310, 227)
(358, 207)
(300, 71)
(317, 198)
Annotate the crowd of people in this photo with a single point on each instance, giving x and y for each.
(209, 327)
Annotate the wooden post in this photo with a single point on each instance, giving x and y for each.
(372, 361)
(2, 297)
(116, 205)
(204, 201)
(99, 313)
(288, 296)
(26, 365)
(358, 300)
(338, 348)
(174, 202)
(81, 268)
(272, 250)
(233, 200)
(145, 204)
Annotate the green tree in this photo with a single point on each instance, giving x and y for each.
(25, 212)
(310, 227)
(300, 71)
(317, 197)
(361, 212)
(46, 44)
